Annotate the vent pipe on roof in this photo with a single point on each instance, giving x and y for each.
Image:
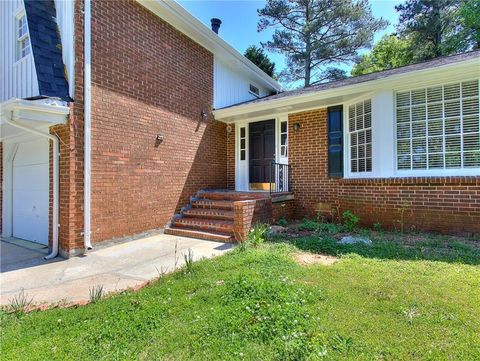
(215, 24)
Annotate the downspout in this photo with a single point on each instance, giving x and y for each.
(56, 155)
(87, 78)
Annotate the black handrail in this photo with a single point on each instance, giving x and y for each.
(279, 178)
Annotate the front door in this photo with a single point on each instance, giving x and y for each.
(262, 153)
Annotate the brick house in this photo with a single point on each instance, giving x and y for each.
(120, 117)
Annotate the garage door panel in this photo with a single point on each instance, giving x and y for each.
(31, 192)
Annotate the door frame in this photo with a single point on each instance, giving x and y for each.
(242, 172)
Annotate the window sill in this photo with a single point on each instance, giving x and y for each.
(475, 180)
(21, 60)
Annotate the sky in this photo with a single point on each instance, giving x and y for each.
(239, 21)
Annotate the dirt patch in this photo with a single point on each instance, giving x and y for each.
(307, 258)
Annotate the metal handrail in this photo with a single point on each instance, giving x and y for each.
(279, 177)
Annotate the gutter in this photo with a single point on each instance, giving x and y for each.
(56, 156)
(87, 124)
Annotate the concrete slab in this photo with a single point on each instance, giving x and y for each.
(116, 268)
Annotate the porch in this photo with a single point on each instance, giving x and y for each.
(228, 215)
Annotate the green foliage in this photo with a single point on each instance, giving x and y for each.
(258, 57)
(308, 225)
(350, 220)
(282, 222)
(434, 27)
(330, 228)
(470, 17)
(257, 234)
(19, 303)
(390, 52)
(314, 35)
(377, 227)
(188, 257)
(96, 293)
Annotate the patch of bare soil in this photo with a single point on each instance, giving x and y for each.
(307, 258)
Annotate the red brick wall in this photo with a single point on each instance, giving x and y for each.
(283, 209)
(431, 204)
(148, 79)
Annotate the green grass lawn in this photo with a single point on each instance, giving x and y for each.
(401, 299)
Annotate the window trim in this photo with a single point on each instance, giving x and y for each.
(438, 172)
(347, 169)
(18, 39)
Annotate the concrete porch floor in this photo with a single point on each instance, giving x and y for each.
(116, 267)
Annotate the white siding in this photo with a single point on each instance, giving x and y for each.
(18, 78)
(231, 86)
(65, 13)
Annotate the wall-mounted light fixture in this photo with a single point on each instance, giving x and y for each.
(296, 127)
(160, 138)
(203, 114)
(229, 128)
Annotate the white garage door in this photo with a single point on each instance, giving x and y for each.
(30, 191)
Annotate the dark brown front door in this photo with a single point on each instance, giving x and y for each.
(262, 150)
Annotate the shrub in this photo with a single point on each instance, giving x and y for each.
(377, 227)
(308, 225)
(350, 220)
(282, 222)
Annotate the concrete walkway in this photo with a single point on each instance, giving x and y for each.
(116, 267)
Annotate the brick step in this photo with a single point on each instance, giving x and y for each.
(230, 196)
(208, 225)
(219, 214)
(212, 204)
(210, 236)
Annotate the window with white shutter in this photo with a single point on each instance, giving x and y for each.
(438, 127)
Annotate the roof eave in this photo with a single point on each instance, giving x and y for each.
(372, 85)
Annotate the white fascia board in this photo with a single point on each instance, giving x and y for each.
(47, 110)
(455, 71)
(182, 20)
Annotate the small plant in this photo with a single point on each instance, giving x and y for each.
(308, 225)
(175, 256)
(404, 206)
(257, 234)
(20, 303)
(95, 293)
(282, 222)
(331, 228)
(350, 220)
(377, 227)
(188, 257)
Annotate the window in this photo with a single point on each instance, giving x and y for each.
(254, 90)
(438, 127)
(284, 139)
(360, 136)
(23, 40)
(243, 143)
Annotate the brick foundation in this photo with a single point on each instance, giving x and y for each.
(442, 204)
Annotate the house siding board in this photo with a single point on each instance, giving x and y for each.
(232, 87)
(148, 79)
(18, 79)
(443, 204)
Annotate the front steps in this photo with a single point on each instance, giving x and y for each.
(210, 216)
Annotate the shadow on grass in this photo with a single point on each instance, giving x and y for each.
(390, 245)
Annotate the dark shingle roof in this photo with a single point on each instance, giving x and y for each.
(369, 77)
(46, 48)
